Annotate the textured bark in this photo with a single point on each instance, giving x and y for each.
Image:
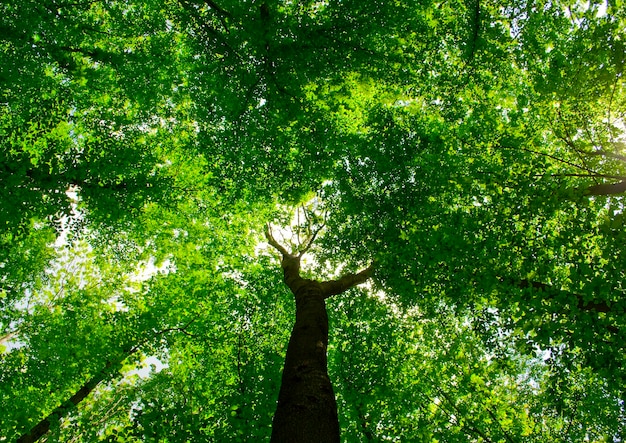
(307, 410)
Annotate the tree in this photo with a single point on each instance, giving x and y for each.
(306, 409)
(472, 149)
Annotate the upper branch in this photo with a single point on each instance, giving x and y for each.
(217, 8)
(309, 243)
(607, 188)
(291, 268)
(272, 241)
(290, 263)
(335, 287)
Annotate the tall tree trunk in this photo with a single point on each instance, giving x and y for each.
(307, 410)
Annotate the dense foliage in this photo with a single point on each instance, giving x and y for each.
(473, 149)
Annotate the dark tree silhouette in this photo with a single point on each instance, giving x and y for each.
(307, 410)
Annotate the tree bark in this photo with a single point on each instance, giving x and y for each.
(307, 410)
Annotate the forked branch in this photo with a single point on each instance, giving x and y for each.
(310, 241)
(291, 267)
(299, 252)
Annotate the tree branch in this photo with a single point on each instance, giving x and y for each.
(335, 287)
(545, 154)
(593, 305)
(608, 154)
(42, 428)
(475, 30)
(222, 13)
(272, 241)
(217, 8)
(291, 268)
(290, 263)
(202, 24)
(7, 336)
(309, 243)
(607, 188)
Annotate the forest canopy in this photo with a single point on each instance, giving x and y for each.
(473, 150)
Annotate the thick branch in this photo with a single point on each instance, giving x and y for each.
(6, 337)
(290, 263)
(41, 428)
(209, 29)
(222, 13)
(335, 287)
(476, 30)
(607, 188)
(603, 153)
(291, 268)
(217, 8)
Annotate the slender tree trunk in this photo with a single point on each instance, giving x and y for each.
(42, 428)
(307, 410)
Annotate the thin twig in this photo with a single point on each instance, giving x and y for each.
(545, 154)
(311, 240)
